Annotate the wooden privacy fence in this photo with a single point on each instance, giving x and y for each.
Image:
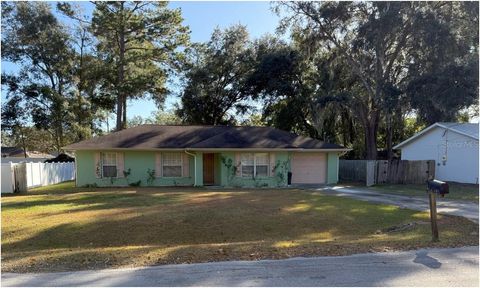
(17, 177)
(352, 170)
(373, 172)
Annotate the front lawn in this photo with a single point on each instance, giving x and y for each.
(66, 228)
(458, 191)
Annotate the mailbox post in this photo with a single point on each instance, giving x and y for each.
(433, 215)
(435, 187)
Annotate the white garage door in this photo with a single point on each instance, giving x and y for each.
(309, 168)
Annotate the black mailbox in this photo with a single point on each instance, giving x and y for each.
(438, 187)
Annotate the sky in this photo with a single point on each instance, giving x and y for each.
(202, 18)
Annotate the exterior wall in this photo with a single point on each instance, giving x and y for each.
(140, 161)
(217, 165)
(228, 177)
(332, 168)
(198, 169)
(137, 161)
(455, 155)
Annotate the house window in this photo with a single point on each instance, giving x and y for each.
(109, 164)
(248, 164)
(261, 164)
(255, 164)
(172, 164)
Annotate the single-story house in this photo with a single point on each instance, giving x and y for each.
(9, 151)
(158, 155)
(17, 155)
(453, 146)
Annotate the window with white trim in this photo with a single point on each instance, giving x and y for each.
(262, 162)
(248, 164)
(109, 164)
(255, 164)
(172, 164)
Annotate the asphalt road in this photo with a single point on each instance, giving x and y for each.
(431, 267)
(444, 205)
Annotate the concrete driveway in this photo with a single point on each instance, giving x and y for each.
(444, 206)
(430, 267)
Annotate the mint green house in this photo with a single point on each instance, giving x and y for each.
(157, 155)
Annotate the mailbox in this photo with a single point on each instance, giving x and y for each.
(438, 187)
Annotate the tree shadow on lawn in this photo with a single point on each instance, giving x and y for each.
(98, 200)
(202, 226)
(105, 198)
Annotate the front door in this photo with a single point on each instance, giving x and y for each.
(208, 169)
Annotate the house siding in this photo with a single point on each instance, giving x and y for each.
(140, 161)
(137, 161)
(229, 179)
(332, 168)
(461, 154)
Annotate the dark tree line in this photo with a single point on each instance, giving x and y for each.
(353, 72)
(362, 74)
(72, 77)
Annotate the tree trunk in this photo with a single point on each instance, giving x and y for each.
(119, 112)
(60, 138)
(124, 123)
(370, 126)
(389, 136)
(23, 143)
(80, 87)
(121, 109)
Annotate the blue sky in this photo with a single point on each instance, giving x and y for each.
(202, 18)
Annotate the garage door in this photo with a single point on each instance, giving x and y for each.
(309, 168)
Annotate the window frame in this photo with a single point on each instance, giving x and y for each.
(242, 165)
(255, 165)
(102, 158)
(267, 163)
(163, 165)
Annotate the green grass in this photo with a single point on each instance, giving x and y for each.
(467, 192)
(63, 187)
(67, 228)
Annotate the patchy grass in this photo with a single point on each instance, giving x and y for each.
(458, 191)
(63, 187)
(67, 228)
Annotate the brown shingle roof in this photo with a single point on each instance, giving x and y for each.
(201, 137)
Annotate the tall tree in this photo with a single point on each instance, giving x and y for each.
(377, 40)
(88, 103)
(215, 78)
(300, 93)
(138, 42)
(443, 71)
(278, 79)
(33, 38)
(14, 121)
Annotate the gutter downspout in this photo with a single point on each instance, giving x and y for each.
(195, 166)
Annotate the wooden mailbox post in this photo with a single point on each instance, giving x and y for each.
(435, 187)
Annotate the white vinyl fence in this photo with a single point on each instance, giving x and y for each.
(7, 177)
(36, 174)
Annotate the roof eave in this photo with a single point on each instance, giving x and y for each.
(210, 149)
(428, 129)
(417, 135)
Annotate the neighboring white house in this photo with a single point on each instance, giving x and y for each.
(453, 146)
